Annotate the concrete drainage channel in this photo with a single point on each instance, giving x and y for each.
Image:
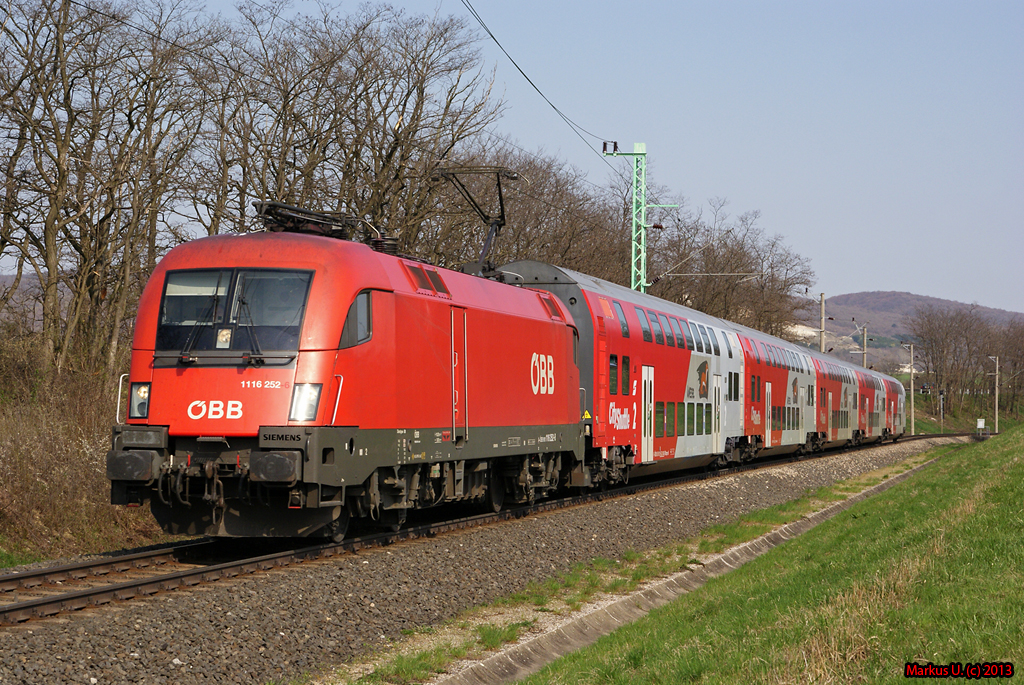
(527, 657)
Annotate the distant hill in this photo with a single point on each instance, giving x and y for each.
(889, 313)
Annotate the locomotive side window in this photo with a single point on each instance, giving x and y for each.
(613, 374)
(669, 336)
(657, 329)
(728, 345)
(358, 324)
(700, 418)
(644, 326)
(707, 419)
(670, 419)
(622, 319)
(625, 376)
(659, 419)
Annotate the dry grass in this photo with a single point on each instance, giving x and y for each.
(845, 630)
(54, 495)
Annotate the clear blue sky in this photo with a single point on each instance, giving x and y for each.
(883, 140)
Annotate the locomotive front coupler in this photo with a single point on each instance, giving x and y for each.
(214, 490)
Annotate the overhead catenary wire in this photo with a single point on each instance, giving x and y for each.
(576, 128)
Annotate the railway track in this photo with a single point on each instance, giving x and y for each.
(33, 594)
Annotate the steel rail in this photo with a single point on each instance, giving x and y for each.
(96, 596)
(119, 563)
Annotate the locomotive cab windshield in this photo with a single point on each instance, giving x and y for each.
(217, 311)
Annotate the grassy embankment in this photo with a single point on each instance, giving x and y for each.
(430, 649)
(929, 571)
(54, 495)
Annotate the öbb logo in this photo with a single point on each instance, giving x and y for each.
(215, 409)
(542, 374)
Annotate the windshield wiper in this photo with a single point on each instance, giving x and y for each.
(185, 357)
(256, 358)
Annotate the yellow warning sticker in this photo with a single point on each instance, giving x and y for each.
(586, 414)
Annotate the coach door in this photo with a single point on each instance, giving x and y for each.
(800, 414)
(460, 413)
(768, 415)
(716, 422)
(647, 427)
(830, 436)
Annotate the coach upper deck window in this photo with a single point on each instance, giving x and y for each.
(644, 326)
(728, 345)
(622, 319)
(657, 329)
(707, 342)
(696, 338)
(714, 341)
(669, 335)
(683, 326)
(680, 340)
(249, 310)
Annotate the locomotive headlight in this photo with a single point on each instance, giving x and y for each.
(138, 401)
(305, 402)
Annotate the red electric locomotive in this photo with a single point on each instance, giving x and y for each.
(282, 383)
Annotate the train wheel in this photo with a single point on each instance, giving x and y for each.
(495, 488)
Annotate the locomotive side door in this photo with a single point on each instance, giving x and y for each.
(647, 424)
(460, 412)
(768, 418)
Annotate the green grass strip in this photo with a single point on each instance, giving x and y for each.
(14, 557)
(931, 570)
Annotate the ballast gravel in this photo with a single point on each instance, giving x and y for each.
(281, 625)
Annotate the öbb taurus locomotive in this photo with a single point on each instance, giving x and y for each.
(283, 383)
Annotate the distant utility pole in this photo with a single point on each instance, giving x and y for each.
(910, 346)
(996, 374)
(864, 348)
(863, 330)
(821, 327)
(638, 261)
